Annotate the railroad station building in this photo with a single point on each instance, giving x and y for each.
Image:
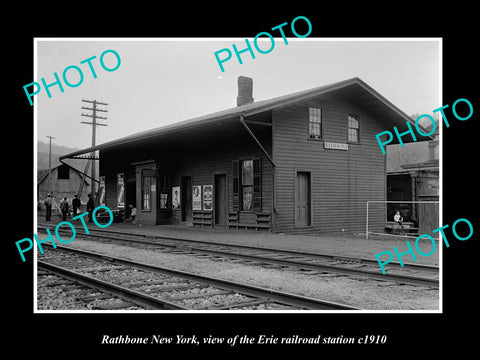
(302, 162)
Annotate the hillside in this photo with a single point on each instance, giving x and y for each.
(57, 151)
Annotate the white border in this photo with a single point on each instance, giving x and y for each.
(376, 39)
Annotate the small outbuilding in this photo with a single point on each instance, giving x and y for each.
(413, 182)
(65, 182)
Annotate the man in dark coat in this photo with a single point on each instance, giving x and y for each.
(64, 208)
(90, 207)
(48, 207)
(76, 204)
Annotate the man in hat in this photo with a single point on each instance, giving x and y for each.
(64, 208)
(76, 204)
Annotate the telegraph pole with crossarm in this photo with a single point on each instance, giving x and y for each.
(50, 166)
(94, 124)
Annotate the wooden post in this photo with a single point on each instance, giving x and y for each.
(94, 124)
(50, 165)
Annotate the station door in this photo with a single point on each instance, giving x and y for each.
(186, 200)
(302, 199)
(220, 199)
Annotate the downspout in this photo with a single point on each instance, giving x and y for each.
(256, 140)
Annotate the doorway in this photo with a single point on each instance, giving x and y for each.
(186, 198)
(220, 199)
(303, 199)
(130, 194)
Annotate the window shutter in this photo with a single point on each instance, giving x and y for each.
(235, 185)
(257, 185)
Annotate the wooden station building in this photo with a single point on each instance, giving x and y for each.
(303, 162)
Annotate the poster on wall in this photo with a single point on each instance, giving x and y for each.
(176, 197)
(101, 191)
(207, 197)
(120, 190)
(196, 197)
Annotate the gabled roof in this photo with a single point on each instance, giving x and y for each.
(437, 128)
(42, 174)
(353, 89)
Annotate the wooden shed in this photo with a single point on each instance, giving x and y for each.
(65, 182)
(303, 162)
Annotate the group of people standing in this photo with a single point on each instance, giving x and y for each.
(64, 207)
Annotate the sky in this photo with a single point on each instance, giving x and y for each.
(163, 81)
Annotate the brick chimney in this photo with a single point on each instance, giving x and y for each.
(245, 90)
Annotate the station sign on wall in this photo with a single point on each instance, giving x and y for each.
(335, 146)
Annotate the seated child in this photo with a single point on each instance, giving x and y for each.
(133, 214)
(398, 218)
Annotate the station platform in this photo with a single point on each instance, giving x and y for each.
(338, 244)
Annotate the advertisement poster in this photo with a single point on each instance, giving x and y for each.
(196, 197)
(101, 191)
(121, 190)
(207, 197)
(176, 197)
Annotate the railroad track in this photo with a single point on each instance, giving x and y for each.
(163, 288)
(58, 291)
(321, 263)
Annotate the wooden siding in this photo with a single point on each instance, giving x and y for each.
(198, 162)
(342, 181)
(63, 187)
(111, 191)
(112, 163)
(202, 167)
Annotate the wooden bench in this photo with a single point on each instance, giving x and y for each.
(262, 221)
(202, 218)
(394, 227)
(104, 216)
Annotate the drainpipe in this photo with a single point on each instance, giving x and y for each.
(256, 140)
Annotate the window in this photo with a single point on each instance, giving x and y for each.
(163, 201)
(353, 128)
(315, 123)
(247, 191)
(63, 172)
(247, 184)
(164, 185)
(146, 191)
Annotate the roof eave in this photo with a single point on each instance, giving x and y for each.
(246, 110)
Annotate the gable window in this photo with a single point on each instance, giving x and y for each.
(247, 191)
(353, 128)
(63, 172)
(314, 123)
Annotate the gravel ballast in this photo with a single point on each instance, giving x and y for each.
(359, 292)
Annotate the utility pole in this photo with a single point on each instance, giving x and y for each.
(94, 124)
(50, 165)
